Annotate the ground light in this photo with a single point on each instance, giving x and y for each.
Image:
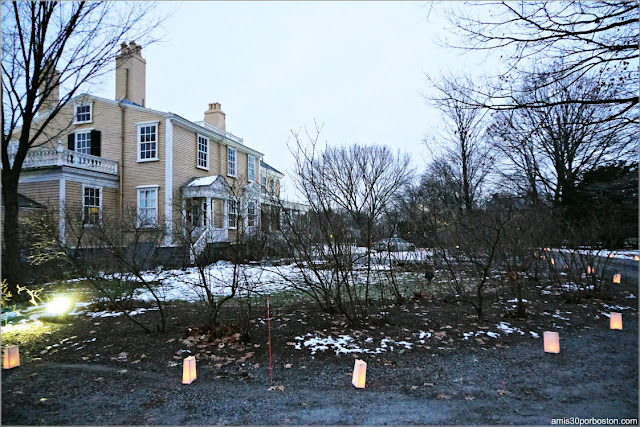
(551, 342)
(11, 357)
(59, 306)
(615, 321)
(189, 370)
(359, 373)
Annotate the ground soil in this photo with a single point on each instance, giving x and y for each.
(446, 380)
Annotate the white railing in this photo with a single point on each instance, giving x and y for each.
(210, 235)
(219, 131)
(59, 156)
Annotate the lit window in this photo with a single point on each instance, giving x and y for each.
(203, 152)
(251, 168)
(251, 214)
(147, 142)
(231, 161)
(83, 113)
(83, 142)
(147, 207)
(233, 213)
(91, 206)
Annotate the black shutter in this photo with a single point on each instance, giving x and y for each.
(71, 142)
(95, 142)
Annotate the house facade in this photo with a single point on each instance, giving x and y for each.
(112, 157)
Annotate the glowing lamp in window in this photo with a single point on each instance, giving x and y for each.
(636, 258)
(11, 357)
(551, 342)
(359, 374)
(553, 261)
(189, 370)
(590, 270)
(611, 255)
(616, 278)
(615, 321)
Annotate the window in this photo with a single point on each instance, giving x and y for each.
(83, 114)
(251, 214)
(251, 167)
(264, 185)
(203, 152)
(83, 142)
(148, 206)
(231, 161)
(91, 206)
(273, 187)
(147, 142)
(233, 213)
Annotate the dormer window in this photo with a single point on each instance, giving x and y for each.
(83, 113)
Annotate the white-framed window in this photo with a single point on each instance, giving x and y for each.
(83, 113)
(147, 141)
(147, 206)
(251, 214)
(83, 141)
(232, 213)
(231, 161)
(251, 168)
(91, 205)
(273, 187)
(203, 152)
(264, 185)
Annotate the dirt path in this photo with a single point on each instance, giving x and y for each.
(595, 375)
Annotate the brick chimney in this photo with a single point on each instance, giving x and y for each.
(50, 81)
(131, 74)
(215, 116)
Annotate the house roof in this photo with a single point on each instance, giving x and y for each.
(269, 167)
(203, 181)
(26, 203)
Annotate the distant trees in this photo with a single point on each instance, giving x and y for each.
(49, 50)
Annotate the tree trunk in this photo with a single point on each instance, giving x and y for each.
(11, 237)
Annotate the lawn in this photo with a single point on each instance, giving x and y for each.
(429, 362)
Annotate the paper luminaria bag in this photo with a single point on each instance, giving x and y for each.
(359, 374)
(11, 357)
(551, 342)
(189, 370)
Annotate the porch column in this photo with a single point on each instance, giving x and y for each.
(209, 214)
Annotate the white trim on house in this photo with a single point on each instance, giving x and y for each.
(168, 180)
(101, 197)
(140, 125)
(75, 112)
(70, 174)
(61, 209)
(208, 151)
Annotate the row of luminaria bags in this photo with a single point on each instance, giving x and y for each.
(551, 345)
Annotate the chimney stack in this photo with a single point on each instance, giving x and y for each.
(215, 116)
(131, 74)
(50, 83)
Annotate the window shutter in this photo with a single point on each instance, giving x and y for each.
(71, 142)
(95, 142)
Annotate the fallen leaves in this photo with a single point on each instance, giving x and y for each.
(469, 398)
(443, 396)
(414, 387)
(288, 365)
(276, 387)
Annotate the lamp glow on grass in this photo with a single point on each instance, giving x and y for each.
(59, 306)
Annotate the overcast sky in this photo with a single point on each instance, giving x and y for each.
(358, 68)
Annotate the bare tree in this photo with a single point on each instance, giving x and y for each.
(48, 46)
(548, 149)
(597, 39)
(466, 160)
(116, 256)
(347, 190)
